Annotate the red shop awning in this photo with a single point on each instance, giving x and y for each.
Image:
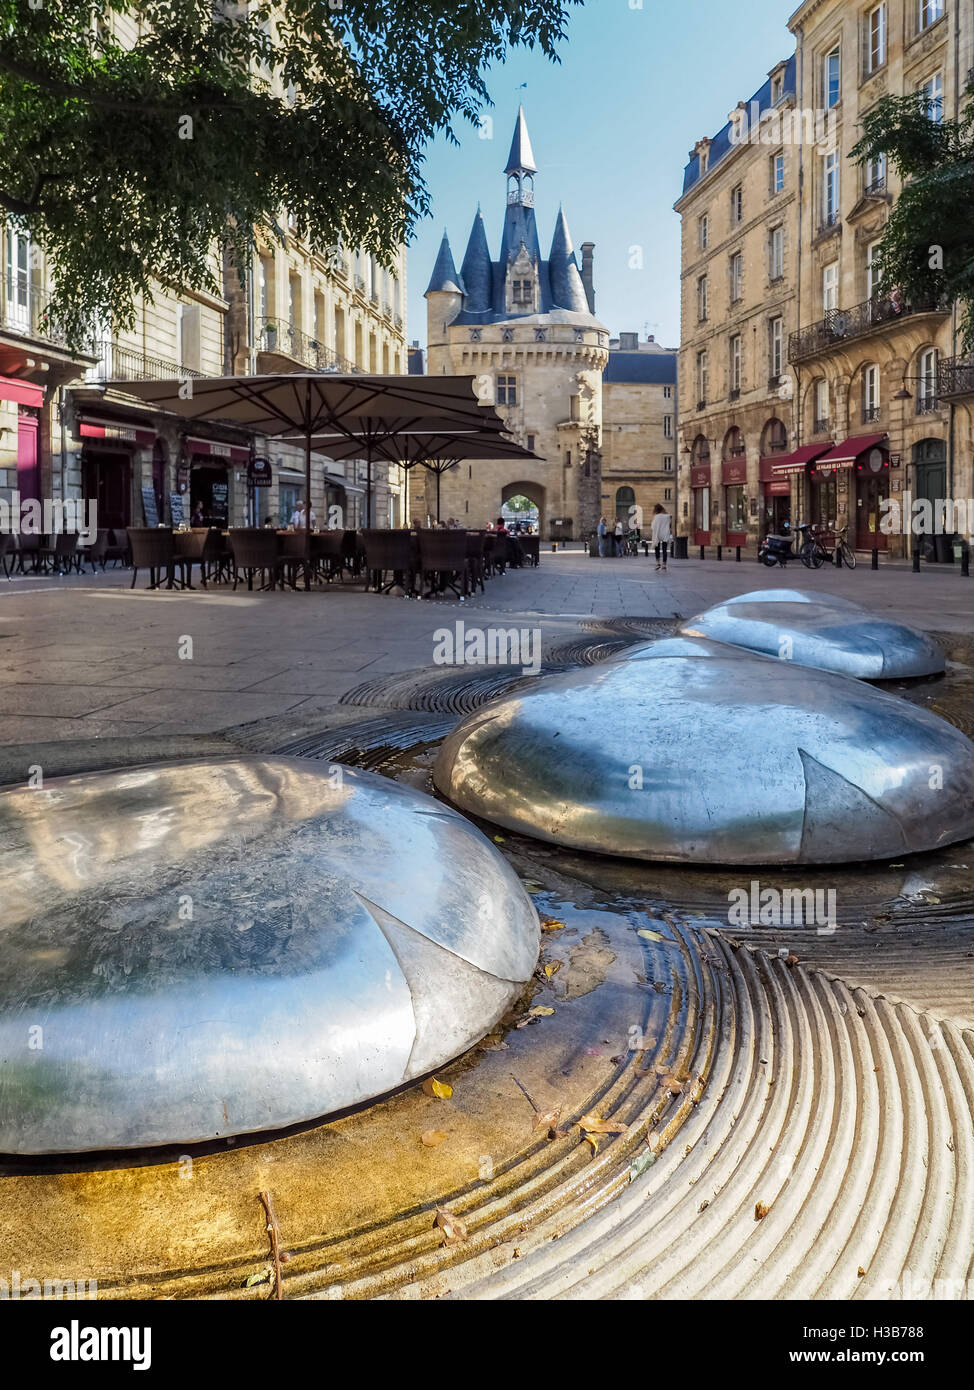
(91, 428)
(845, 454)
(780, 465)
(217, 450)
(17, 392)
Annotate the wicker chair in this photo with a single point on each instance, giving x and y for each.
(8, 552)
(531, 545)
(443, 559)
(390, 552)
(495, 553)
(291, 548)
(152, 549)
(190, 550)
(62, 555)
(476, 549)
(327, 552)
(255, 549)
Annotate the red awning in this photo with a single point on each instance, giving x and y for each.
(18, 392)
(91, 428)
(795, 462)
(845, 454)
(215, 448)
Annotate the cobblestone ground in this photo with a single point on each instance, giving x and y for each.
(87, 657)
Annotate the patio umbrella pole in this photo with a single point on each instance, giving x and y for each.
(439, 475)
(307, 489)
(368, 485)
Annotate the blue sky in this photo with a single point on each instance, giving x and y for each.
(611, 128)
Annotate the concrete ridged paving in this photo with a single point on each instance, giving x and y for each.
(847, 1117)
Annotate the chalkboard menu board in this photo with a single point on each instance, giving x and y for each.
(149, 507)
(220, 494)
(176, 508)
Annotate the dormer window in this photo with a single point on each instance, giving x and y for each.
(523, 292)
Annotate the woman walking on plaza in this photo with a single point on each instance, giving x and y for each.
(662, 535)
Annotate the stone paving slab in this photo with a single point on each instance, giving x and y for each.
(86, 657)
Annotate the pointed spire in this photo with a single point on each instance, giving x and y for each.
(445, 275)
(521, 158)
(567, 289)
(476, 271)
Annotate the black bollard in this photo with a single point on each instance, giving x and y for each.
(702, 556)
(916, 562)
(965, 561)
(737, 557)
(720, 552)
(837, 557)
(875, 559)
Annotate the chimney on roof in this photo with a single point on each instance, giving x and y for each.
(651, 337)
(588, 273)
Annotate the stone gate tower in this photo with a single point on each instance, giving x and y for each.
(527, 326)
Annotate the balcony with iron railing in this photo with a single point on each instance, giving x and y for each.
(955, 377)
(282, 340)
(28, 312)
(116, 362)
(844, 325)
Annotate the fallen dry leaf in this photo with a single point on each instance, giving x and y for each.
(592, 1124)
(552, 969)
(452, 1227)
(648, 935)
(551, 924)
(861, 1272)
(541, 1011)
(440, 1089)
(433, 1137)
(760, 1211)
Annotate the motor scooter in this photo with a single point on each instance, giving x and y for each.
(776, 550)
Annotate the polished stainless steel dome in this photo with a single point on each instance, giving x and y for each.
(820, 630)
(195, 950)
(704, 753)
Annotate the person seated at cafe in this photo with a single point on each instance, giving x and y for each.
(196, 519)
(299, 517)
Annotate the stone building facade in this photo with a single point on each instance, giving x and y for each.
(298, 308)
(866, 368)
(525, 326)
(639, 407)
(799, 382)
(739, 306)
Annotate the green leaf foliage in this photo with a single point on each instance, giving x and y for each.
(927, 248)
(145, 139)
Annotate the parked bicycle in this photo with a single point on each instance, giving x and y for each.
(814, 552)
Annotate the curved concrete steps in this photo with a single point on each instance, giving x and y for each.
(830, 1156)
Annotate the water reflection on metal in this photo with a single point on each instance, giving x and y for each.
(698, 752)
(820, 630)
(190, 951)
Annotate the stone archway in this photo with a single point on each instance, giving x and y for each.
(534, 492)
(537, 495)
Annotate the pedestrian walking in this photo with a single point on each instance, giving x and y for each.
(662, 534)
(620, 535)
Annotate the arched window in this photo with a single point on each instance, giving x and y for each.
(625, 501)
(734, 444)
(870, 394)
(820, 406)
(774, 439)
(701, 449)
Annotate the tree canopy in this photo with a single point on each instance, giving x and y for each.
(927, 247)
(137, 135)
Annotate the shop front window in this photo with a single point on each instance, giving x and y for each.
(736, 510)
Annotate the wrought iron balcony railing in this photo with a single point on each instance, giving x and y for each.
(116, 362)
(842, 325)
(955, 377)
(28, 312)
(275, 336)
